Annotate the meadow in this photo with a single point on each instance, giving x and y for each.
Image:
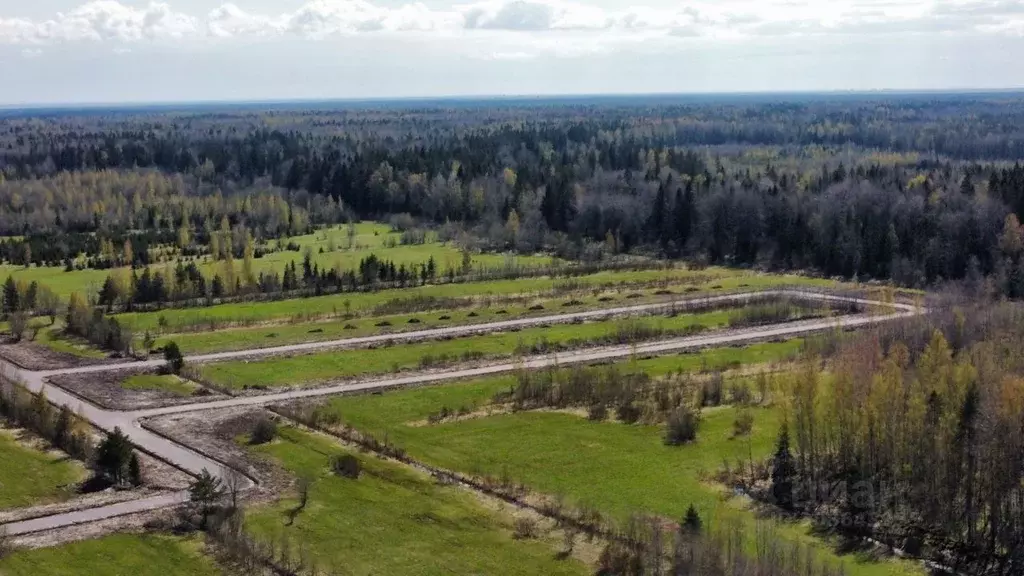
(31, 477)
(115, 555)
(310, 369)
(453, 312)
(615, 468)
(392, 520)
(329, 248)
(714, 280)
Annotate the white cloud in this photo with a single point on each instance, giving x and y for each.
(112, 21)
(101, 20)
(228, 21)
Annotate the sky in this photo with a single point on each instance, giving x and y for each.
(132, 51)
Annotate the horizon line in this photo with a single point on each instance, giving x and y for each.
(469, 98)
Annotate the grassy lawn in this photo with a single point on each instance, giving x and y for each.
(163, 382)
(327, 366)
(53, 338)
(393, 520)
(29, 477)
(333, 306)
(116, 555)
(616, 468)
(372, 238)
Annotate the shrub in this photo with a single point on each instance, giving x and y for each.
(524, 529)
(346, 466)
(711, 391)
(263, 431)
(18, 323)
(628, 413)
(743, 423)
(682, 426)
(175, 361)
(740, 392)
(597, 413)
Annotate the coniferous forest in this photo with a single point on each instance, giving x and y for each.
(918, 189)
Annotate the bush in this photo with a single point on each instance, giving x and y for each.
(682, 426)
(263, 431)
(346, 466)
(524, 529)
(743, 424)
(628, 413)
(175, 361)
(18, 323)
(597, 413)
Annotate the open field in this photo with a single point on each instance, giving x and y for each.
(615, 468)
(392, 520)
(30, 477)
(372, 238)
(335, 365)
(446, 313)
(714, 280)
(116, 555)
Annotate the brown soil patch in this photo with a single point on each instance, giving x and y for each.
(104, 389)
(32, 356)
(214, 433)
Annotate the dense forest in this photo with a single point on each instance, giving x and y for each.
(914, 438)
(914, 188)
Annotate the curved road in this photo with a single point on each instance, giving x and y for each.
(194, 462)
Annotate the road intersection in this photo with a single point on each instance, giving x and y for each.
(194, 462)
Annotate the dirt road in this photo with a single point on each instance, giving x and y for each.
(194, 462)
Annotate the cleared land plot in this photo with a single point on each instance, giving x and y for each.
(168, 383)
(372, 238)
(392, 520)
(363, 303)
(619, 469)
(133, 389)
(323, 367)
(116, 555)
(30, 476)
(454, 312)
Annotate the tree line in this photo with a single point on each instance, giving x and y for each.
(916, 439)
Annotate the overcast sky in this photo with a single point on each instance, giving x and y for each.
(70, 51)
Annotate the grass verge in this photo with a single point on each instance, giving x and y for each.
(116, 555)
(30, 477)
(322, 367)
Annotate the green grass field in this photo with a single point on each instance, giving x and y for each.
(393, 520)
(116, 555)
(363, 303)
(616, 468)
(162, 382)
(52, 337)
(475, 312)
(322, 367)
(372, 238)
(30, 477)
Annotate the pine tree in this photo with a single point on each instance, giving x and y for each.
(11, 299)
(692, 522)
(113, 457)
(783, 471)
(134, 471)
